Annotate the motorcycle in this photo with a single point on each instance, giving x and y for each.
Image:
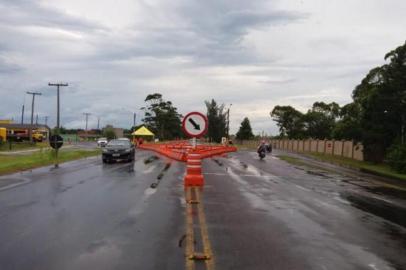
(261, 155)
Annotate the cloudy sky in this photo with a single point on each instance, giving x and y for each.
(251, 54)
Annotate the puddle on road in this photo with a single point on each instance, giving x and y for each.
(218, 162)
(377, 207)
(392, 192)
(103, 254)
(149, 169)
(150, 159)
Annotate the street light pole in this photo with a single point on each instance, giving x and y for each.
(32, 112)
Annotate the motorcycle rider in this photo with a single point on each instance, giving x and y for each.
(261, 150)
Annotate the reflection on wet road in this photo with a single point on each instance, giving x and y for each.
(259, 214)
(319, 219)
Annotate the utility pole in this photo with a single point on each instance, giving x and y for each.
(57, 102)
(22, 112)
(87, 117)
(134, 119)
(32, 111)
(228, 121)
(58, 85)
(36, 119)
(22, 115)
(98, 123)
(46, 120)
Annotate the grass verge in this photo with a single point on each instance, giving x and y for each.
(15, 163)
(292, 160)
(377, 169)
(18, 146)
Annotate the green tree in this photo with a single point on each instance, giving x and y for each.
(289, 121)
(321, 119)
(348, 127)
(381, 96)
(245, 131)
(162, 117)
(217, 121)
(108, 132)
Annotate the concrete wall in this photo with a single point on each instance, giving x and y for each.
(348, 147)
(338, 148)
(306, 146)
(359, 151)
(329, 147)
(321, 146)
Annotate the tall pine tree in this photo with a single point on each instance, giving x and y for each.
(245, 131)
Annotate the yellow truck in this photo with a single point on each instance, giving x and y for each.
(37, 136)
(3, 135)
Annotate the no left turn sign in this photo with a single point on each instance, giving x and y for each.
(195, 124)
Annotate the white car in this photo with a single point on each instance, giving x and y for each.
(102, 142)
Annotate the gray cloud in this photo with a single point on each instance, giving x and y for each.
(254, 54)
(32, 13)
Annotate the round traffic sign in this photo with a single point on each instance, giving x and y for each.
(56, 141)
(195, 124)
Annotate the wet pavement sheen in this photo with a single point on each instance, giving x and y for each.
(260, 215)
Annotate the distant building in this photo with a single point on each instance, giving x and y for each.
(119, 132)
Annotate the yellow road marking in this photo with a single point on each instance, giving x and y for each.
(205, 234)
(190, 264)
(193, 199)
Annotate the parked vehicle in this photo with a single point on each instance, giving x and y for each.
(3, 135)
(118, 150)
(102, 142)
(37, 137)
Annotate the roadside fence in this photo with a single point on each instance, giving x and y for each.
(348, 149)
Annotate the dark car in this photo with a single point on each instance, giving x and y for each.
(118, 150)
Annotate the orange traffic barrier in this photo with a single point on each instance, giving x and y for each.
(194, 176)
(183, 151)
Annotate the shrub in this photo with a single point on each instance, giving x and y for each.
(396, 157)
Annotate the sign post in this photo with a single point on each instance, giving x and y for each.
(56, 142)
(195, 125)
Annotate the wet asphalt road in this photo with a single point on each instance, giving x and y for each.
(260, 215)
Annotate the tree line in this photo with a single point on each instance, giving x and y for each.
(163, 119)
(376, 116)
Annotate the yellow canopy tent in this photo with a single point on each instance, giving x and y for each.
(142, 132)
